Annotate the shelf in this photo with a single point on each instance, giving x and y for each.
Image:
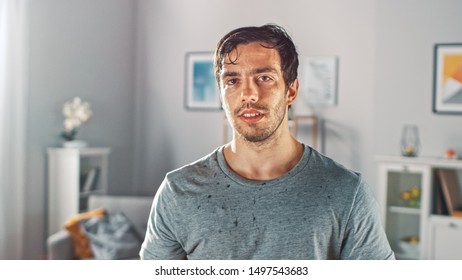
(440, 236)
(87, 151)
(401, 256)
(435, 162)
(68, 171)
(85, 194)
(446, 219)
(396, 176)
(404, 210)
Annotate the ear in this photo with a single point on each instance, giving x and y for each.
(292, 92)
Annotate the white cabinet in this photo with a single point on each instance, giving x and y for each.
(445, 236)
(72, 175)
(407, 193)
(405, 219)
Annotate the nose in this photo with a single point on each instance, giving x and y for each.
(249, 92)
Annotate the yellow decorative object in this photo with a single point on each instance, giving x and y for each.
(406, 195)
(415, 192)
(81, 243)
(411, 239)
(411, 196)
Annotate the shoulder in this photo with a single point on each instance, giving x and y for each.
(190, 176)
(343, 185)
(331, 170)
(201, 167)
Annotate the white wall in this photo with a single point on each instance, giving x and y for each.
(78, 48)
(406, 34)
(385, 50)
(90, 48)
(174, 136)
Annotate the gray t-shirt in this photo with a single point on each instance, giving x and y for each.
(318, 210)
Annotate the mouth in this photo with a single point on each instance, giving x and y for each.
(251, 116)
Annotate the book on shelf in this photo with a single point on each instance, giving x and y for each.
(439, 204)
(90, 180)
(450, 192)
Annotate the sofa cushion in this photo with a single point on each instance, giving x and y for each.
(112, 236)
(80, 241)
(136, 208)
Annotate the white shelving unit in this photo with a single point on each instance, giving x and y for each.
(68, 170)
(437, 235)
(445, 235)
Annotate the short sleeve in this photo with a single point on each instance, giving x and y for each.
(365, 237)
(160, 241)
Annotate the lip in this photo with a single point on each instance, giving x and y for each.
(251, 116)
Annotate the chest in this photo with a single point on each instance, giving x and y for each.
(258, 223)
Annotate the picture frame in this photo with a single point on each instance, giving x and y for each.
(319, 80)
(447, 78)
(201, 89)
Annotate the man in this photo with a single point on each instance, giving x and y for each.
(264, 195)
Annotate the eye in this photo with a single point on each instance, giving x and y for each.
(231, 82)
(265, 78)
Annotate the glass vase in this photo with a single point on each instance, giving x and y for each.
(410, 142)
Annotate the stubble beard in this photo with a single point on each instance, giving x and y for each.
(254, 133)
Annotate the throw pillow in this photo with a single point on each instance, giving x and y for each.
(112, 237)
(80, 241)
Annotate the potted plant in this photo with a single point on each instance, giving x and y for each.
(76, 113)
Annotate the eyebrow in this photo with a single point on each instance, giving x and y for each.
(230, 74)
(255, 71)
(264, 70)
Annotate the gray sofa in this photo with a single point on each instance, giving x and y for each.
(136, 208)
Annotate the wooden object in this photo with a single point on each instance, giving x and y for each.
(451, 193)
(313, 121)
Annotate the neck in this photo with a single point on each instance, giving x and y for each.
(264, 160)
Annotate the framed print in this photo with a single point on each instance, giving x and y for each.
(320, 80)
(447, 80)
(201, 91)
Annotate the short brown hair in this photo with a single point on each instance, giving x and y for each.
(270, 36)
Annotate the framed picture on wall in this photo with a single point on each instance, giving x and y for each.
(447, 80)
(201, 90)
(319, 80)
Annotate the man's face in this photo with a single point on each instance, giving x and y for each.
(253, 91)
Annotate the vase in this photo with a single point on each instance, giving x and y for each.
(75, 144)
(410, 142)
